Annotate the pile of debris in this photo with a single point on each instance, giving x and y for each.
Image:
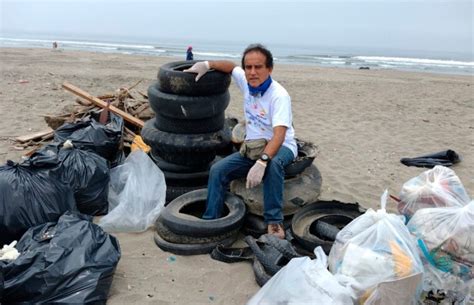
(129, 103)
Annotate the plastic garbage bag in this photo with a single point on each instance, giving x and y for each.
(446, 243)
(136, 195)
(69, 262)
(445, 158)
(375, 248)
(30, 197)
(89, 134)
(437, 187)
(85, 171)
(303, 281)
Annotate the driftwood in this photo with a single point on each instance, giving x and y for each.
(44, 134)
(98, 102)
(132, 107)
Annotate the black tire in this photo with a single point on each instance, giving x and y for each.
(172, 237)
(298, 191)
(206, 125)
(186, 179)
(334, 212)
(173, 192)
(306, 155)
(180, 222)
(183, 149)
(191, 249)
(177, 168)
(187, 107)
(173, 80)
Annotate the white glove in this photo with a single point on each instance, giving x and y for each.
(255, 175)
(200, 68)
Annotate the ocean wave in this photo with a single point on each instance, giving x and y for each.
(217, 54)
(416, 61)
(208, 51)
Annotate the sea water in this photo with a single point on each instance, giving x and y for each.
(428, 61)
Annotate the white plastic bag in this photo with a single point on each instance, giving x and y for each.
(303, 281)
(376, 248)
(446, 242)
(437, 187)
(137, 194)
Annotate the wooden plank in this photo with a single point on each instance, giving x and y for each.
(36, 135)
(79, 92)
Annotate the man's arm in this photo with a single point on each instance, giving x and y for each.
(225, 66)
(279, 133)
(202, 67)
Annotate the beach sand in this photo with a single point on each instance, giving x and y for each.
(363, 122)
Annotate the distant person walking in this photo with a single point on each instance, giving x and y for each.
(55, 45)
(189, 53)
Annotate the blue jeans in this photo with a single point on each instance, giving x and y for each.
(235, 166)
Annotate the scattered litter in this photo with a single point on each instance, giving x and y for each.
(23, 81)
(446, 158)
(8, 252)
(171, 259)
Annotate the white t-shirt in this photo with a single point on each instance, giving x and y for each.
(263, 113)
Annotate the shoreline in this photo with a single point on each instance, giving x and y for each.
(363, 122)
(375, 62)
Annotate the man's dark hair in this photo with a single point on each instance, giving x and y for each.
(257, 47)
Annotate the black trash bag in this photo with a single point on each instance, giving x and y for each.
(29, 196)
(69, 262)
(89, 134)
(1, 284)
(445, 158)
(86, 172)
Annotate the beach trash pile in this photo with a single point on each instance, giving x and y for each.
(379, 258)
(377, 248)
(63, 256)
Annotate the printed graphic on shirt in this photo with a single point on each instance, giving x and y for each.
(257, 116)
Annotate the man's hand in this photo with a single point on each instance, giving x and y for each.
(200, 68)
(255, 175)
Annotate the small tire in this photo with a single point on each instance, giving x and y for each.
(306, 154)
(334, 212)
(298, 191)
(172, 237)
(173, 80)
(186, 224)
(191, 249)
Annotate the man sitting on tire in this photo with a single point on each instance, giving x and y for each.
(269, 142)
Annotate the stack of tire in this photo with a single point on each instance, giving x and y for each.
(302, 186)
(189, 128)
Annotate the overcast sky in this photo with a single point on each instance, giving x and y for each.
(410, 25)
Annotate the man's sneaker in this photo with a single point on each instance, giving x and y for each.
(276, 229)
